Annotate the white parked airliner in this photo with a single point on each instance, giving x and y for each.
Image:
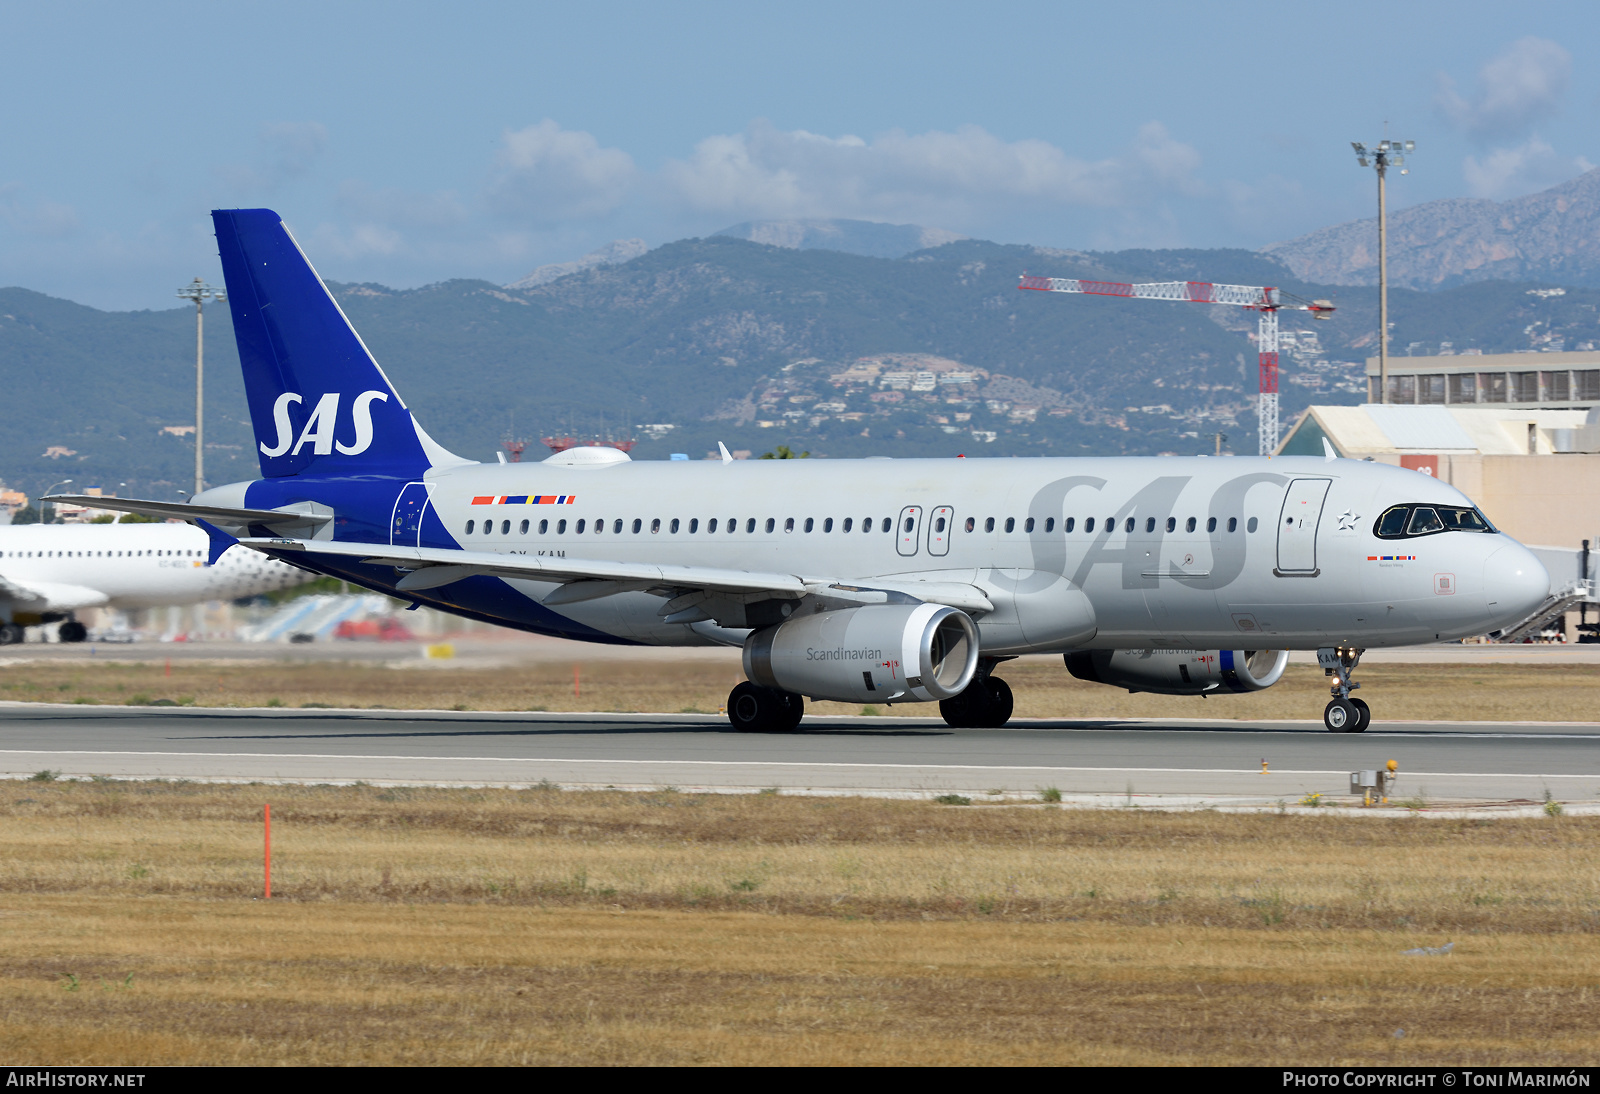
(50, 571)
(853, 580)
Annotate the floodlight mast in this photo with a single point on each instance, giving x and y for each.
(1386, 154)
(1261, 298)
(199, 292)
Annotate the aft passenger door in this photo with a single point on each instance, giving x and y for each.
(1297, 527)
(907, 532)
(405, 529)
(941, 522)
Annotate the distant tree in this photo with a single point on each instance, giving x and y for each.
(104, 518)
(133, 518)
(784, 452)
(26, 515)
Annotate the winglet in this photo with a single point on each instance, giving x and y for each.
(727, 457)
(220, 541)
(1327, 451)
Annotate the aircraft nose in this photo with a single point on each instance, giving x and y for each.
(1515, 582)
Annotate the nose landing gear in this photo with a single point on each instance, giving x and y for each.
(1343, 714)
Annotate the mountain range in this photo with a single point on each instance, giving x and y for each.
(934, 353)
(1552, 236)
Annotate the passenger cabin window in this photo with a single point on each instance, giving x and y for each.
(561, 527)
(1188, 525)
(1172, 524)
(1211, 524)
(1233, 524)
(971, 524)
(845, 527)
(1251, 525)
(524, 528)
(827, 524)
(694, 525)
(617, 527)
(1088, 525)
(1070, 521)
(1011, 524)
(1129, 526)
(988, 525)
(810, 524)
(673, 527)
(638, 525)
(544, 527)
(579, 528)
(655, 526)
(471, 524)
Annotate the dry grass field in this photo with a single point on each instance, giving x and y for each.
(434, 926)
(1042, 686)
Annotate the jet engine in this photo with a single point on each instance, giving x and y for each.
(1180, 672)
(877, 653)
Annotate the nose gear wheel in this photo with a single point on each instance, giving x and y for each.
(1343, 714)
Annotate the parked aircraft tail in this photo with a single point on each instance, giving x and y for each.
(319, 403)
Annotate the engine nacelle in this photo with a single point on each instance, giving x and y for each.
(1180, 672)
(877, 653)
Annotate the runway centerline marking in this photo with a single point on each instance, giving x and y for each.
(773, 763)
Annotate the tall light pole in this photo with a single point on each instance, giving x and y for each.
(1387, 154)
(46, 494)
(199, 292)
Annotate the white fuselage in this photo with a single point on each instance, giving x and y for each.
(64, 567)
(1183, 553)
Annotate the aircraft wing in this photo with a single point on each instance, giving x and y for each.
(432, 566)
(277, 519)
(49, 596)
(691, 588)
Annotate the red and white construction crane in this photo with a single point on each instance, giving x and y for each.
(1262, 298)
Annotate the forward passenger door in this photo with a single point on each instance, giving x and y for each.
(1297, 527)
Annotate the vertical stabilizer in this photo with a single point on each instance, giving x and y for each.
(318, 401)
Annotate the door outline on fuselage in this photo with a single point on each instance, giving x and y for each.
(939, 541)
(410, 507)
(907, 533)
(1298, 523)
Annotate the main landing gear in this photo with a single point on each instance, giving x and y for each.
(985, 704)
(11, 634)
(1343, 714)
(755, 709)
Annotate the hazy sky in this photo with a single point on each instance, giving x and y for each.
(408, 143)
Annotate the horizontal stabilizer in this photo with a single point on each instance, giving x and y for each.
(182, 510)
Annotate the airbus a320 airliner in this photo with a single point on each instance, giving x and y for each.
(873, 581)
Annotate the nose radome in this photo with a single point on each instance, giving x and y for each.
(1515, 582)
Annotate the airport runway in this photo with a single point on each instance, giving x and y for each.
(1197, 760)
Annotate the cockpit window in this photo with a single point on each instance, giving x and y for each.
(1464, 520)
(1402, 521)
(1393, 523)
(1423, 521)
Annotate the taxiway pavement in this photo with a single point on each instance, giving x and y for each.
(1196, 759)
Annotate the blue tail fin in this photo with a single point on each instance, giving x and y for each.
(319, 402)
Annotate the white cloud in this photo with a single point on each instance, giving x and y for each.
(358, 241)
(766, 172)
(399, 208)
(1509, 172)
(1517, 88)
(545, 174)
(284, 151)
(39, 219)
